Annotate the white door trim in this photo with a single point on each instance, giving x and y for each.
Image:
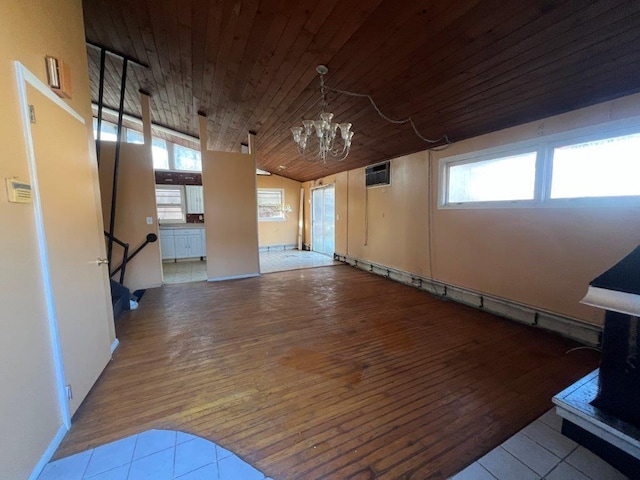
(24, 77)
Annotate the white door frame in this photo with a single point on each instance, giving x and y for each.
(320, 187)
(24, 77)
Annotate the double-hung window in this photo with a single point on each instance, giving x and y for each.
(271, 204)
(582, 166)
(170, 201)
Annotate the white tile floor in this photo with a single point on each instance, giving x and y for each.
(540, 451)
(153, 455)
(184, 271)
(279, 261)
(273, 261)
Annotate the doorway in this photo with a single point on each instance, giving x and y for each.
(323, 220)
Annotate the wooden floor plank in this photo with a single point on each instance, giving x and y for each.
(325, 373)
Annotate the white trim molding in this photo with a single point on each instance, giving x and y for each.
(48, 453)
(24, 77)
(114, 345)
(577, 330)
(233, 277)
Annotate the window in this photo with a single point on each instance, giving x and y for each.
(498, 179)
(186, 159)
(160, 154)
(582, 166)
(134, 136)
(601, 168)
(170, 203)
(270, 204)
(108, 131)
(166, 155)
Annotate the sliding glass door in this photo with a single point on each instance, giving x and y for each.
(323, 220)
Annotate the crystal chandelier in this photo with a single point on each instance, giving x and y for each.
(325, 143)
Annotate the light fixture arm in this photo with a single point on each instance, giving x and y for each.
(320, 139)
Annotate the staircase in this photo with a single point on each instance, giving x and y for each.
(120, 297)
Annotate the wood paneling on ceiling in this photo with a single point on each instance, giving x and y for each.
(459, 68)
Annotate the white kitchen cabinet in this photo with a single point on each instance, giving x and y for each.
(195, 200)
(167, 244)
(182, 243)
(188, 242)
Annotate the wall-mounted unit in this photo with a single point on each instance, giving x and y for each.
(379, 174)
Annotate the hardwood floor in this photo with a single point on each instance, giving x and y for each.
(326, 373)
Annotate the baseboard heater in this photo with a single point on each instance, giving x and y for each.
(277, 248)
(567, 327)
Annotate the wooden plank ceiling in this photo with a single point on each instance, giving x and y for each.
(459, 68)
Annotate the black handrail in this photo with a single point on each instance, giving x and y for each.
(116, 161)
(115, 239)
(151, 238)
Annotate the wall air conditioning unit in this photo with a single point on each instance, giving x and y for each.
(379, 174)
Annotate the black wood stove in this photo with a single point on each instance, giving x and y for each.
(602, 411)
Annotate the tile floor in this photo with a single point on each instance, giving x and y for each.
(153, 455)
(273, 261)
(184, 271)
(279, 261)
(540, 451)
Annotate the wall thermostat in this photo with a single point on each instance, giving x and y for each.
(18, 191)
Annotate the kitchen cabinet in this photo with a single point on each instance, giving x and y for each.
(195, 201)
(188, 242)
(167, 245)
(182, 243)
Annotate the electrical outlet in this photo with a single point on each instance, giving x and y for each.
(149, 220)
(69, 392)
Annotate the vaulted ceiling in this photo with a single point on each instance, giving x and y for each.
(460, 68)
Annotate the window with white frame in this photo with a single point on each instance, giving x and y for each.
(166, 155)
(108, 131)
(160, 154)
(271, 204)
(133, 136)
(505, 178)
(608, 167)
(170, 201)
(186, 159)
(579, 166)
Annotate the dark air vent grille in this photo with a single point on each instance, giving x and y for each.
(379, 174)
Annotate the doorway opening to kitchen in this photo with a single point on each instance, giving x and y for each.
(179, 198)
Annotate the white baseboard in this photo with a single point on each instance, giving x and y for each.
(48, 453)
(580, 331)
(114, 345)
(233, 277)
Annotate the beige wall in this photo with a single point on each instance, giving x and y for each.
(136, 201)
(286, 232)
(542, 257)
(230, 203)
(29, 412)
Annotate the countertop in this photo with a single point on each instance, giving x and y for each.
(168, 226)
